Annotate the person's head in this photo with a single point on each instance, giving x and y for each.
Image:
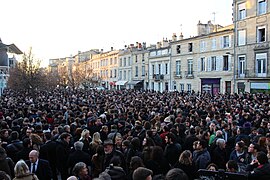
(221, 143)
(14, 135)
(65, 137)
(96, 137)
(202, 144)
(78, 145)
(212, 167)
(108, 146)
(33, 156)
(176, 174)
(262, 158)
(253, 148)
(21, 168)
(27, 142)
(118, 139)
(232, 166)
(80, 170)
(85, 134)
(186, 157)
(147, 141)
(170, 138)
(136, 162)
(239, 146)
(142, 173)
(125, 144)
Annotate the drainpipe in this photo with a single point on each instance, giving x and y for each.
(234, 47)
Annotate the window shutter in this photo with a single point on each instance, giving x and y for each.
(221, 42)
(229, 63)
(221, 63)
(156, 68)
(199, 64)
(209, 64)
(150, 70)
(230, 40)
(218, 63)
(169, 70)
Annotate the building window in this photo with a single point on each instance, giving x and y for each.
(153, 86)
(202, 46)
(241, 11)
(261, 7)
(129, 61)
(213, 63)
(111, 73)
(225, 63)
(190, 47)
(261, 64)
(136, 71)
(143, 70)
(153, 69)
(115, 72)
(226, 41)
(202, 64)
(241, 37)
(115, 60)
(241, 65)
(182, 87)
(190, 67)
(159, 68)
(120, 61)
(142, 57)
(166, 68)
(178, 68)
(125, 62)
(214, 43)
(189, 88)
(178, 49)
(120, 75)
(261, 34)
(111, 61)
(125, 75)
(136, 58)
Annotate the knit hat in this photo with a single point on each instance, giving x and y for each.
(141, 173)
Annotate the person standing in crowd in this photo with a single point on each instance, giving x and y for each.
(172, 150)
(142, 173)
(86, 139)
(240, 155)
(15, 145)
(110, 152)
(219, 156)
(201, 156)
(40, 167)
(78, 156)
(80, 171)
(6, 163)
(259, 168)
(62, 153)
(186, 164)
(22, 172)
(48, 152)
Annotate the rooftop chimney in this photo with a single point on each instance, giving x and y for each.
(181, 36)
(174, 37)
(111, 48)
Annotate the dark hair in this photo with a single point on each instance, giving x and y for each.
(64, 135)
(232, 164)
(171, 136)
(157, 153)
(26, 142)
(203, 143)
(14, 135)
(262, 158)
(136, 162)
(176, 174)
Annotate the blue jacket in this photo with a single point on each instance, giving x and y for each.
(201, 158)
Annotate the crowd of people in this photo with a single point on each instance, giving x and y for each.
(132, 135)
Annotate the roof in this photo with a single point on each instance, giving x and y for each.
(12, 47)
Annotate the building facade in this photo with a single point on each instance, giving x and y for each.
(251, 22)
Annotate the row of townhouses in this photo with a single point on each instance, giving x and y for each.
(218, 60)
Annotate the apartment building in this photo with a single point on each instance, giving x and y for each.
(124, 69)
(251, 21)
(139, 67)
(203, 63)
(159, 58)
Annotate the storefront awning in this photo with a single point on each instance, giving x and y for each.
(133, 82)
(120, 83)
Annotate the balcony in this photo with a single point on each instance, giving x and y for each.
(189, 74)
(247, 74)
(177, 75)
(158, 77)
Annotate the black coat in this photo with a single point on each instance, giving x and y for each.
(78, 156)
(23, 154)
(43, 171)
(48, 152)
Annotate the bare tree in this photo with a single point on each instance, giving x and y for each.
(27, 75)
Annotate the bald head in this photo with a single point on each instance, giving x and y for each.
(33, 156)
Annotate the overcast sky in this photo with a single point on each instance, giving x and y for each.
(60, 28)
